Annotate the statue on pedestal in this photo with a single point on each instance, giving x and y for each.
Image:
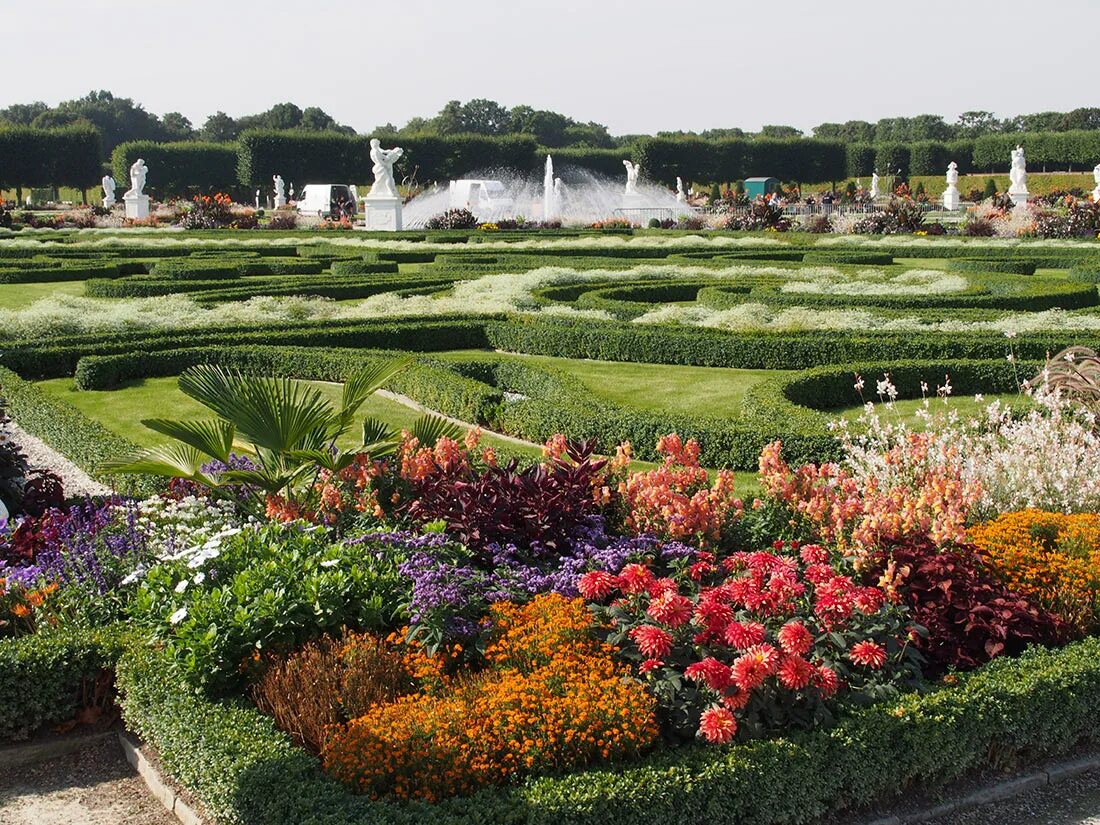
(874, 186)
(951, 194)
(137, 179)
(632, 172)
(280, 190)
(1096, 177)
(384, 159)
(109, 186)
(680, 196)
(1018, 175)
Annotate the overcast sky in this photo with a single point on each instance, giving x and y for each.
(637, 66)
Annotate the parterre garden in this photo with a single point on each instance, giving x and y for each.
(616, 540)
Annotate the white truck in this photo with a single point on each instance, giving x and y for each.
(327, 200)
(487, 199)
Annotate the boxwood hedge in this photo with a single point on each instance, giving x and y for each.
(245, 771)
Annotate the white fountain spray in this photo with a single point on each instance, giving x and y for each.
(549, 204)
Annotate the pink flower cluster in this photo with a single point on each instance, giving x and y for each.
(919, 497)
(677, 500)
(779, 628)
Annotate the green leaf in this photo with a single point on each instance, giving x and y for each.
(274, 413)
(213, 436)
(374, 430)
(429, 428)
(172, 460)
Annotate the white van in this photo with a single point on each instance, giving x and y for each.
(487, 199)
(326, 200)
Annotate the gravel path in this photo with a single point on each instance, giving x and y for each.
(40, 454)
(94, 786)
(1070, 802)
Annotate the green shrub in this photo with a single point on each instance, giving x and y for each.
(43, 676)
(85, 442)
(194, 269)
(1014, 710)
(987, 265)
(845, 257)
(361, 267)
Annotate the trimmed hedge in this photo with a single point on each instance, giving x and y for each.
(362, 267)
(85, 442)
(54, 271)
(986, 265)
(68, 156)
(190, 269)
(42, 675)
(844, 257)
(179, 169)
(245, 771)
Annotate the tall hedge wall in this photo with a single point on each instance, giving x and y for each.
(1063, 151)
(178, 169)
(49, 157)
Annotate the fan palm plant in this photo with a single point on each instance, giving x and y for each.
(287, 429)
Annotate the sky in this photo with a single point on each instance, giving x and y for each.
(639, 67)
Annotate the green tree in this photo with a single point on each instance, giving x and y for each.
(22, 114)
(177, 127)
(773, 131)
(220, 128)
(976, 123)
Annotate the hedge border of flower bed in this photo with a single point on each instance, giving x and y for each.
(845, 257)
(1019, 267)
(85, 442)
(41, 675)
(245, 771)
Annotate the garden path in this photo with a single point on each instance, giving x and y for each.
(1070, 802)
(40, 454)
(93, 786)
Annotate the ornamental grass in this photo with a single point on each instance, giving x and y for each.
(1052, 557)
(550, 698)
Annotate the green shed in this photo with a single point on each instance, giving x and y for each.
(756, 187)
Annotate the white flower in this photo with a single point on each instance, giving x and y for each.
(178, 616)
(1011, 358)
(1010, 333)
(181, 586)
(330, 562)
(199, 577)
(979, 398)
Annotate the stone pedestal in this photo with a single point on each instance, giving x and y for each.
(109, 202)
(137, 206)
(280, 200)
(951, 198)
(383, 213)
(1018, 195)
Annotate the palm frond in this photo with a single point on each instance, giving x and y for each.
(213, 436)
(273, 413)
(429, 428)
(174, 460)
(363, 384)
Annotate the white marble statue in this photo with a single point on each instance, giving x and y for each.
(384, 159)
(874, 186)
(280, 190)
(632, 172)
(951, 193)
(1096, 177)
(1018, 175)
(680, 195)
(137, 179)
(109, 187)
(257, 198)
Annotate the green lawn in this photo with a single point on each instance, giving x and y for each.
(965, 405)
(17, 296)
(712, 391)
(121, 410)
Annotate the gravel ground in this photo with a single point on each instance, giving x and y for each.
(94, 786)
(1070, 802)
(39, 454)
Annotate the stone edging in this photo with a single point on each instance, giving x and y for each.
(156, 784)
(998, 792)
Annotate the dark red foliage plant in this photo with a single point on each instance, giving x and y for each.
(537, 507)
(969, 615)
